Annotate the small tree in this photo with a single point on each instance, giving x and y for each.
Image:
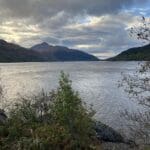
(1, 95)
(70, 113)
(1, 91)
(137, 86)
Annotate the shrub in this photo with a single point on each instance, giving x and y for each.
(57, 120)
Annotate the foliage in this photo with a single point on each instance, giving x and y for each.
(137, 85)
(53, 121)
(142, 31)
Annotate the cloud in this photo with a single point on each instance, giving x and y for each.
(49, 8)
(95, 26)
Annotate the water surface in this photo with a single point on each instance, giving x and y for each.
(97, 83)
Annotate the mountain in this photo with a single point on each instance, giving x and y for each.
(60, 53)
(137, 54)
(14, 53)
(10, 52)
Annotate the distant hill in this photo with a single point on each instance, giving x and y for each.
(14, 53)
(137, 54)
(60, 53)
(10, 52)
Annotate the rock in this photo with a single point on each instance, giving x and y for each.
(107, 134)
(3, 116)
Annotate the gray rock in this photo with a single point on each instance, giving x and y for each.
(107, 134)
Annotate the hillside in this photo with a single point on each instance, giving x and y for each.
(14, 53)
(60, 53)
(137, 54)
(10, 52)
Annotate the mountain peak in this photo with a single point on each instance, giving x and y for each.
(44, 44)
(41, 47)
(2, 41)
(61, 53)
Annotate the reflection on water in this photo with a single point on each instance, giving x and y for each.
(95, 81)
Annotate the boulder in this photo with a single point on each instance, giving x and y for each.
(107, 134)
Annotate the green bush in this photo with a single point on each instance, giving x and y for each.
(53, 121)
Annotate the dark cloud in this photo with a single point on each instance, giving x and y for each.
(95, 26)
(49, 8)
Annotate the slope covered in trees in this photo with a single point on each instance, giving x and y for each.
(138, 54)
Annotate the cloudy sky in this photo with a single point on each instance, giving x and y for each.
(99, 27)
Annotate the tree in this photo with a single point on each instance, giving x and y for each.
(70, 113)
(137, 86)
